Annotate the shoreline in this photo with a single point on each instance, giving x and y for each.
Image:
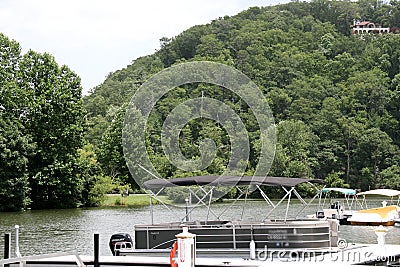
(133, 200)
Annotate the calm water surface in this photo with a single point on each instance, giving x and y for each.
(72, 230)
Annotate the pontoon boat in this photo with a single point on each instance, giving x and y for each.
(385, 215)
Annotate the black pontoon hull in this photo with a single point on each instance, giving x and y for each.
(237, 235)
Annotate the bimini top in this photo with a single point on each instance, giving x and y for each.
(345, 191)
(382, 192)
(228, 181)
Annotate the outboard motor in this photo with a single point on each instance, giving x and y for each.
(120, 241)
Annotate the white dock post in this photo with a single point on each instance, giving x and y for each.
(186, 248)
(17, 254)
(252, 250)
(381, 233)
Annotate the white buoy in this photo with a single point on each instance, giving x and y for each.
(186, 248)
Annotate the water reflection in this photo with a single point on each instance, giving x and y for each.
(366, 234)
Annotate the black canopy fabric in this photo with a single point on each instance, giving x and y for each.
(228, 181)
(272, 181)
(187, 181)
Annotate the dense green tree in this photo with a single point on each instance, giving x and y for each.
(339, 13)
(297, 142)
(15, 148)
(334, 180)
(210, 47)
(376, 152)
(42, 124)
(369, 9)
(15, 144)
(95, 184)
(110, 153)
(391, 177)
(55, 121)
(351, 130)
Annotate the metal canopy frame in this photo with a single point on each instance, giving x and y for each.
(349, 195)
(202, 191)
(389, 193)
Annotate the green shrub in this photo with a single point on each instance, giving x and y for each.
(118, 201)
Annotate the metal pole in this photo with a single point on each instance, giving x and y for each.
(280, 201)
(96, 250)
(288, 203)
(151, 209)
(209, 205)
(7, 247)
(245, 201)
(17, 254)
(187, 209)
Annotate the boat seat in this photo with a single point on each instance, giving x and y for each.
(320, 214)
(335, 206)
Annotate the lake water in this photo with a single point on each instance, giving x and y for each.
(49, 231)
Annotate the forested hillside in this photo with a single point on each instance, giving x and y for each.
(335, 96)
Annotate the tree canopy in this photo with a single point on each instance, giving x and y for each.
(42, 125)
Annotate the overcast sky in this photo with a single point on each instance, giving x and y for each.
(96, 37)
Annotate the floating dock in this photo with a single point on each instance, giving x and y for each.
(353, 255)
(344, 254)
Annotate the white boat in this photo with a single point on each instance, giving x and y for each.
(385, 215)
(335, 209)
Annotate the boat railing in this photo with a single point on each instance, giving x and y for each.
(236, 235)
(122, 245)
(171, 242)
(306, 222)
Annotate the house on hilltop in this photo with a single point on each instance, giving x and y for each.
(368, 27)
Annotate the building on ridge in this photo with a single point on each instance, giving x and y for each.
(363, 27)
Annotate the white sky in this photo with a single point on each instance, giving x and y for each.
(96, 37)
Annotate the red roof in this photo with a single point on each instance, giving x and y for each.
(363, 23)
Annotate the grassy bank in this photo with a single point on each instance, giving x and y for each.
(132, 200)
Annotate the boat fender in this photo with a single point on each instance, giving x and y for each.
(172, 254)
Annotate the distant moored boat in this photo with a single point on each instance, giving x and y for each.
(385, 215)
